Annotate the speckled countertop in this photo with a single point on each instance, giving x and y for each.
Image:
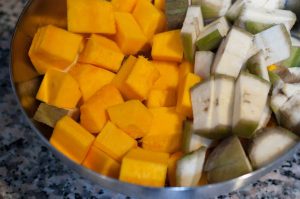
(29, 170)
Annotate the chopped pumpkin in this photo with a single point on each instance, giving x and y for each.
(144, 167)
(93, 112)
(124, 5)
(184, 68)
(160, 4)
(165, 134)
(149, 18)
(141, 79)
(129, 35)
(184, 104)
(167, 46)
(114, 142)
(96, 16)
(132, 117)
(90, 78)
(71, 139)
(53, 47)
(169, 75)
(102, 52)
(172, 167)
(100, 162)
(161, 98)
(59, 89)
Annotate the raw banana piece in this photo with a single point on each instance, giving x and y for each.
(257, 66)
(175, 12)
(203, 63)
(212, 9)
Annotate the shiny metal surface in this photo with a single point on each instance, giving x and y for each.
(41, 12)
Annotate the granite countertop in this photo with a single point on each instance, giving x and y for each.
(29, 170)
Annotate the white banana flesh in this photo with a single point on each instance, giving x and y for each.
(257, 66)
(203, 63)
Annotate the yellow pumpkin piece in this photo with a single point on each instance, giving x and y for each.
(53, 47)
(100, 162)
(93, 112)
(90, 78)
(114, 142)
(71, 139)
(123, 73)
(96, 16)
(144, 167)
(140, 79)
(59, 89)
(149, 18)
(172, 164)
(129, 35)
(132, 117)
(102, 52)
(184, 68)
(160, 4)
(124, 5)
(165, 134)
(167, 46)
(184, 104)
(161, 98)
(169, 75)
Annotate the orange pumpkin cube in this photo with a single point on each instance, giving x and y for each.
(114, 142)
(132, 117)
(140, 79)
(96, 16)
(161, 98)
(165, 134)
(129, 35)
(150, 18)
(184, 104)
(160, 4)
(71, 139)
(144, 167)
(93, 112)
(184, 68)
(172, 165)
(167, 46)
(102, 52)
(53, 47)
(59, 89)
(124, 5)
(90, 78)
(169, 75)
(100, 162)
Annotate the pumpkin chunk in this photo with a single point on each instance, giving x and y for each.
(90, 78)
(96, 16)
(161, 98)
(165, 134)
(129, 35)
(132, 117)
(124, 5)
(144, 167)
(167, 46)
(47, 51)
(100, 162)
(114, 142)
(169, 75)
(93, 112)
(59, 89)
(71, 139)
(102, 52)
(184, 104)
(172, 164)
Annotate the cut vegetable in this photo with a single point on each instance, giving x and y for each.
(172, 164)
(50, 115)
(256, 19)
(270, 144)
(203, 63)
(214, 8)
(189, 168)
(176, 12)
(257, 66)
(227, 161)
(235, 10)
(192, 26)
(265, 117)
(233, 53)
(289, 114)
(276, 103)
(211, 36)
(191, 141)
(275, 43)
(291, 89)
(251, 94)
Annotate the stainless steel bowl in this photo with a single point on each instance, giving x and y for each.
(41, 12)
